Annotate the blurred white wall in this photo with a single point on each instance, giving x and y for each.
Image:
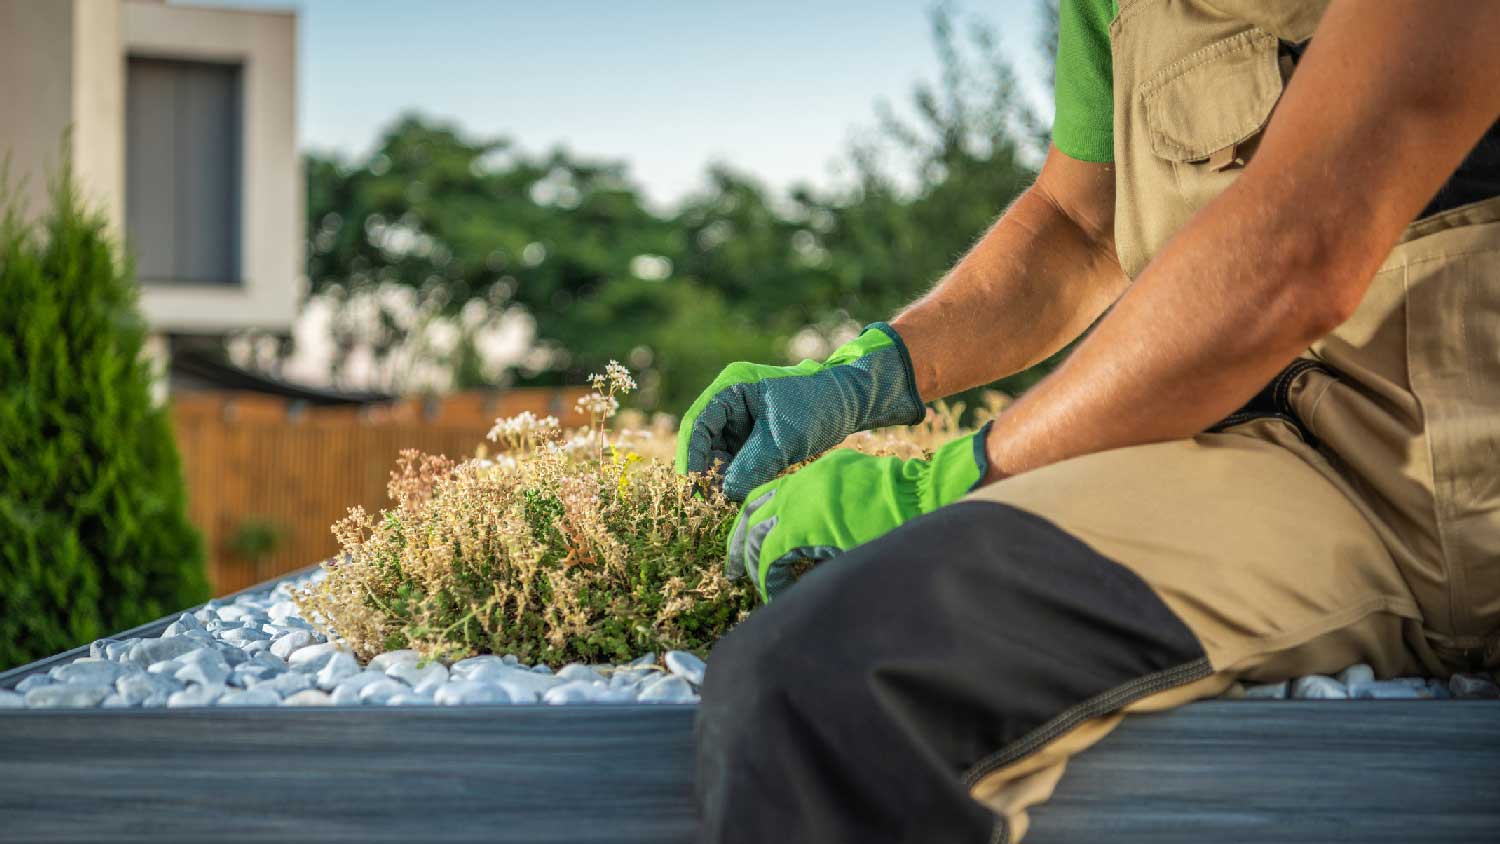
(64, 68)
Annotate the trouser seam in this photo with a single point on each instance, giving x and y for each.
(1326, 623)
(1104, 703)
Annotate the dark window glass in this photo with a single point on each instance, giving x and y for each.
(182, 170)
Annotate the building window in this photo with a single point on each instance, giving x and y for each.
(182, 170)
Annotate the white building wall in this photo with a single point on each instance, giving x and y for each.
(272, 210)
(62, 70)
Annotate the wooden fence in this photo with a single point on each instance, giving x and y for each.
(260, 464)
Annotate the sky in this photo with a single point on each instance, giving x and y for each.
(777, 88)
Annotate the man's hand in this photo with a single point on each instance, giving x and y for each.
(754, 421)
(839, 501)
(1386, 103)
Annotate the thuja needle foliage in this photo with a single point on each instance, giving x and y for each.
(564, 546)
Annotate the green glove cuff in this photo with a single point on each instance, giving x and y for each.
(841, 500)
(954, 471)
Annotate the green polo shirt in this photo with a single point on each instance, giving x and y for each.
(1084, 125)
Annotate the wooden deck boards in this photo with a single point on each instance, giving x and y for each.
(1363, 771)
(1245, 770)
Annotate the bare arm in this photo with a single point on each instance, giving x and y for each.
(1040, 276)
(1386, 103)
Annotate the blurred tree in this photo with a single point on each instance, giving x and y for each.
(734, 273)
(94, 535)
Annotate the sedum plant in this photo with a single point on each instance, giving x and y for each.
(564, 546)
(582, 545)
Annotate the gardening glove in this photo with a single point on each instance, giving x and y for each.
(842, 500)
(755, 420)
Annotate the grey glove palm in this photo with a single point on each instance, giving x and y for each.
(756, 420)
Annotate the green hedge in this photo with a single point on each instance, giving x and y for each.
(94, 536)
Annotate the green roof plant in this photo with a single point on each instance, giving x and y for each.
(562, 546)
(565, 545)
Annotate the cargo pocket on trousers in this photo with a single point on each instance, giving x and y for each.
(1205, 112)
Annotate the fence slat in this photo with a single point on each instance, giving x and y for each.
(244, 460)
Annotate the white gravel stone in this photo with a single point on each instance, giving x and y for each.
(205, 667)
(469, 691)
(251, 674)
(250, 697)
(1389, 690)
(339, 666)
(381, 691)
(670, 689)
(244, 636)
(344, 696)
(464, 667)
(1267, 691)
(624, 678)
(169, 667)
(384, 661)
(190, 621)
(282, 609)
(117, 651)
(276, 630)
(411, 675)
(312, 658)
(60, 695)
(269, 660)
(521, 684)
(196, 695)
(309, 697)
(574, 691)
(284, 645)
(360, 680)
(33, 681)
(114, 701)
(11, 700)
(88, 671)
(139, 686)
(287, 683)
(647, 658)
(1318, 687)
(231, 653)
(686, 666)
(152, 651)
(97, 647)
(430, 684)
(576, 671)
(1473, 686)
(412, 698)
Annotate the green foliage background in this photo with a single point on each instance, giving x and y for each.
(94, 536)
(458, 220)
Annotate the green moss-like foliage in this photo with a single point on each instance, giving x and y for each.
(94, 536)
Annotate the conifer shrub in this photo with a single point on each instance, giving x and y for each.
(563, 546)
(94, 535)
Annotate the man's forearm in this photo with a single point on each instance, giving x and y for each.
(1358, 145)
(1035, 281)
(1208, 324)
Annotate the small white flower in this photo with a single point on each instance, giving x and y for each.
(598, 404)
(522, 425)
